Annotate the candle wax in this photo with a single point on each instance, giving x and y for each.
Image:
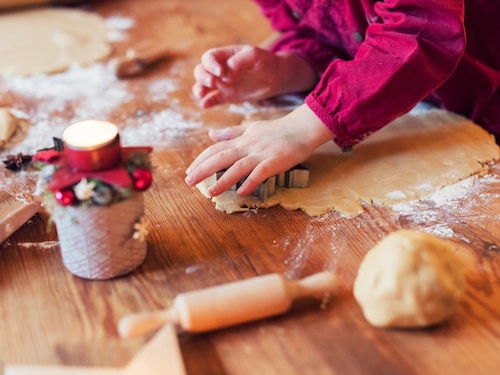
(89, 135)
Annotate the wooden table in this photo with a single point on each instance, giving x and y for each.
(50, 317)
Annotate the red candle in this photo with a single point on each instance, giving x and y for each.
(92, 145)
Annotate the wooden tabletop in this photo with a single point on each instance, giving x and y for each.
(50, 317)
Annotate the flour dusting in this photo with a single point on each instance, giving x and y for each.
(157, 129)
(118, 27)
(93, 89)
(445, 209)
(46, 245)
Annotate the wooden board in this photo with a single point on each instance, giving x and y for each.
(13, 214)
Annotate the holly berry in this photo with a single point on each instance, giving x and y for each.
(65, 197)
(142, 178)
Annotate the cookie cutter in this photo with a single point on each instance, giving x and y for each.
(296, 177)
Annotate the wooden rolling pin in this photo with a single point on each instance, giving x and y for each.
(25, 3)
(138, 58)
(230, 304)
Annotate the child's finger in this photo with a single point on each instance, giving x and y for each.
(218, 135)
(210, 62)
(208, 163)
(244, 58)
(198, 90)
(240, 169)
(265, 168)
(203, 77)
(205, 155)
(211, 99)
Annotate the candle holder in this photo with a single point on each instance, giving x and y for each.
(92, 189)
(92, 145)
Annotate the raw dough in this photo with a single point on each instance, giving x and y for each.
(411, 158)
(409, 279)
(8, 125)
(49, 40)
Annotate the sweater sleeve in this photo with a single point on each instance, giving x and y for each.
(302, 40)
(411, 49)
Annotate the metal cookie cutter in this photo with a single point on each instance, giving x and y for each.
(266, 189)
(297, 177)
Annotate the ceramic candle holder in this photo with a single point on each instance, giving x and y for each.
(93, 189)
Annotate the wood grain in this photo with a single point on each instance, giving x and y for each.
(50, 317)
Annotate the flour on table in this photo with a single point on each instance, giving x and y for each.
(49, 40)
(408, 160)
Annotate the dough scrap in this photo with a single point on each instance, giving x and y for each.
(408, 160)
(49, 40)
(409, 279)
(8, 125)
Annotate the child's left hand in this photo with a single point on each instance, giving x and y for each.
(258, 150)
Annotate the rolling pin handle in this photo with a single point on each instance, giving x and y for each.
(138, 324)
(315, 286)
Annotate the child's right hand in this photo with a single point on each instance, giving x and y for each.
(236, 73)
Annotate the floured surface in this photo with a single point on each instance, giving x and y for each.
(410, 159)
(49, 40)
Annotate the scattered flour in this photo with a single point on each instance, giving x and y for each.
(398, 194)
(157, 129)
(93, 88)
(444, 209)
(39, 245)
(118, 27)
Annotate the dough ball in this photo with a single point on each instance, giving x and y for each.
(409, 279)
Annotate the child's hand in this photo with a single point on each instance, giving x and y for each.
(239, 73)
(258, 150)
(234, 74)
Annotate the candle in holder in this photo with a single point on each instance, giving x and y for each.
(93, 192)
(92, 145)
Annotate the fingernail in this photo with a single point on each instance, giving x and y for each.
(189, 179)
(218, 71)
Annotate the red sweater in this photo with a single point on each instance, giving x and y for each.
(377, 59)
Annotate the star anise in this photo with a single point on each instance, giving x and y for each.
(16, 162)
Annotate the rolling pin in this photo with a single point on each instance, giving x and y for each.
(138, 58)
(230, 304)
(25, 3)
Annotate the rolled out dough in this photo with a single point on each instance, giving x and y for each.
(49, 40)
(408, 160)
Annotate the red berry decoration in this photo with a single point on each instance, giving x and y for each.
(142, 178)
(65, 197)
